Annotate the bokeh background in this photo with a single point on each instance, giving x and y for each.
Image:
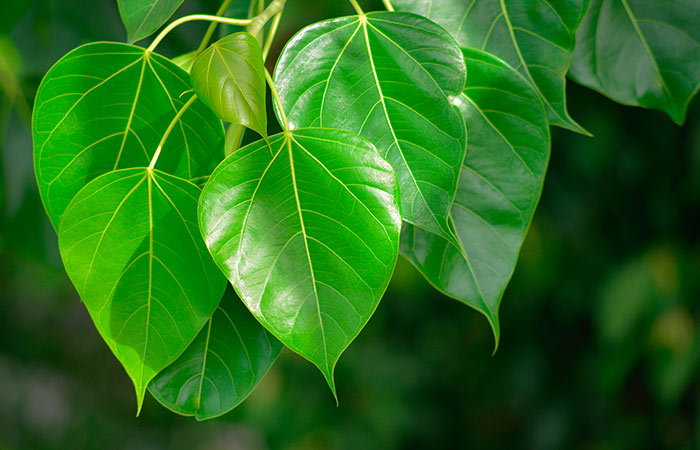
(600, 346)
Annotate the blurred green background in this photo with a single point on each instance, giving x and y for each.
(600, 346)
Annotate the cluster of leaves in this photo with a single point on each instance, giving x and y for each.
(388, 148)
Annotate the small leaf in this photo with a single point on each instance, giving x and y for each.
(230, 77)
(105, 106)
(389, 78)
(537, 37)
(131, 246)
(143, 17)
(642, 53)
(306, 228)
(185, 61)
(223, 365)
(498, 191)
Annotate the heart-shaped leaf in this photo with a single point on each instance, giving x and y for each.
(230, 77)
(143, 17)
(498, 191)
(389, 78)
(223, 365)
(641, 52)
(536, 37)
(105, 106)
(306, 228)
(117, 239)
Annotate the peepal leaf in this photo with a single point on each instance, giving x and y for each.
(143, 17)
(500, 186)
(105, 106)
(221, 367)
(230, 77)
(641, 53)
(387, 77)
(537, 37)
(117, 241)
(307, 231)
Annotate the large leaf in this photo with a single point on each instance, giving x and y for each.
(223, 365)
(535, 36)
(130, 243)
(389, 78)
(501, 181)
(230, 77)
(307, 230)
(105, 106)
(143, 17)
(641, 52)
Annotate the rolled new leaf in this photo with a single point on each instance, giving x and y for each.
(307, 231)
(131, 246)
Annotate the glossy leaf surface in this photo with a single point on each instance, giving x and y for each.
(307, 231)
(143, 17)
(388, 77)
(230, 77)
(223, 365)
(536, 37)
(501, 181)
(105, 106)
(131, 246)
(641, 52)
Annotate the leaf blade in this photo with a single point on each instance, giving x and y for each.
(142, 17)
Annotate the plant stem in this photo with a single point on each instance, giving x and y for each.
(212, 26)
(357, 7)
(278, 100)
(169, 130)
(261, 19)
(271, 36)
(388, 5)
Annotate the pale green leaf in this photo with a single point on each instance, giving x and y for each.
(143, 17)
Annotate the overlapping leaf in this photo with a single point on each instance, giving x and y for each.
(535, 36)
(223, 365)
(641, 52)
(143, 17)
(498, 191)
(389, 78)
(130, 244)
(105, 106)
(230, 77)
(307, 231)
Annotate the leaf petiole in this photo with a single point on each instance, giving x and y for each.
(357, 7)
(212, 26)
(278, 100)
(387, 4)
(169, 130)
(271, 36)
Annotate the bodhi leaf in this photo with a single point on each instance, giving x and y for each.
(230, 77)
(307, 231)
(106, 106)
(537, 37)
(117, 241)
(143, 17)
(642, 53)
(185, 61)
(499, 188)
(388, 77)
(223, 365)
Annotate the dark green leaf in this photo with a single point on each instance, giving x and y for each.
(536, 37)
(307, 231)
(642, 53)
(223, 365)
(143, 17)
(389, 78)
(230, 77)
(498, 191)
(105, 106)
(131, 246)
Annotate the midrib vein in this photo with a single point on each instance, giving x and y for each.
(132, 113)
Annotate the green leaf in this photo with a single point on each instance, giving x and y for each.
(536, 37)
(499, 188)
(642, 53)
(185, 61)
(234, 137)
(105, 106)
(230, 77)
(307, 230)
(143, 17)
(221, 368)
(131, 246)
(388, 77)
